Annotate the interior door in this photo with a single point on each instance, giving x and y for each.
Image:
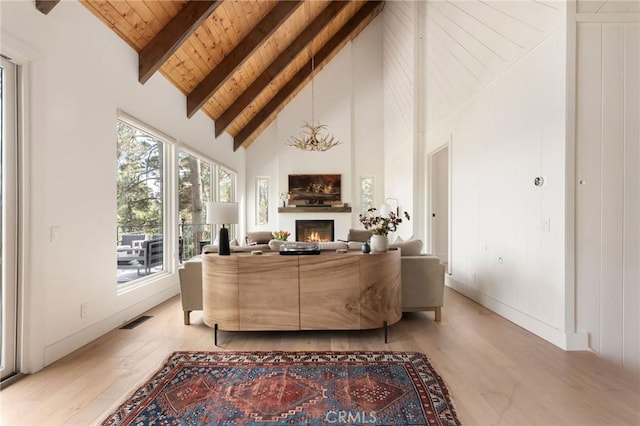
(440, 203)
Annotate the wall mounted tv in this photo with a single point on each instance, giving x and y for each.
(315, 190)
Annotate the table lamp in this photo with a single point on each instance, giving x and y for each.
(222, 214)
(385, 208)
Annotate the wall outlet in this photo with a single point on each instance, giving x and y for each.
(83, 310)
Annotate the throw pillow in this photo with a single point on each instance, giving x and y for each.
(360, 235)
(259, 237)
(275, 244)
(408, 248)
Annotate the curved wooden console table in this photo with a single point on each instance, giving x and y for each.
(330, 291)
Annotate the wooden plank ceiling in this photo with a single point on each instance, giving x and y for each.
(239, 62)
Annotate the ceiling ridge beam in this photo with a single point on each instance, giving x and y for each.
(256, 38)
(279, 64)
(172, 36)
(364, 15)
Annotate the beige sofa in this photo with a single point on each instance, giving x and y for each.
(422, 276)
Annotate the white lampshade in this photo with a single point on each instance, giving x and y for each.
(384, 210)
(386, 207)
(222, 213)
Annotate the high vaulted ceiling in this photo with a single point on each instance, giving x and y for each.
(239, 62)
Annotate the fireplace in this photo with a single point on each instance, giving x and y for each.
(314, 230)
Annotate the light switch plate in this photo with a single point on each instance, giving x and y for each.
(54, 233)
(545, 224)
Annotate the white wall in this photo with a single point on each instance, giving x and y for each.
(77, 77)
(513, 131)
(400, 109)
(608, 188)
(348, 99)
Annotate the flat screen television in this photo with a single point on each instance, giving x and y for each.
(315, 190)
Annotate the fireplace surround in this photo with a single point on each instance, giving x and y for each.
(316, 230)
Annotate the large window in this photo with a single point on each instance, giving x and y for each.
(141, 202)
(200, 180)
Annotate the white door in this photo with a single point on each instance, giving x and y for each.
(440, 203)
(8, 219)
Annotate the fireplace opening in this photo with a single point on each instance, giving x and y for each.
(315, 231)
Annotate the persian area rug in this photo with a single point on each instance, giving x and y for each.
(292, 388)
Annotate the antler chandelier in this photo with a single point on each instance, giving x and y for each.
(311, 136)
(312, 139)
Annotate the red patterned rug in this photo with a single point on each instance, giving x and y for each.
(292, 388)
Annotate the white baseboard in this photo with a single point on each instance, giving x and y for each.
(75, 341)
(573, 341)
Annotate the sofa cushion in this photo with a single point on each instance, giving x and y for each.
(246, 249)
(408, 248)
(354, 245)
(359, 235)
(208, 249)
(259, 237)
(333, 245)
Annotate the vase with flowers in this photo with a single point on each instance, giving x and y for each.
(380, 226)
(281, 235)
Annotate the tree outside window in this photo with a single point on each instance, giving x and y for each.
(194, 190)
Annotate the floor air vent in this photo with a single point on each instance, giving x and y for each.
(136, 322)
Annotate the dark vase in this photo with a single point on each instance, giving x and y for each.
(366, 248)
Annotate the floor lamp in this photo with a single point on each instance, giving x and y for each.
(222, 214)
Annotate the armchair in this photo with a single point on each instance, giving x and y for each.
(422, 284)
(190, 274)
(422, 278)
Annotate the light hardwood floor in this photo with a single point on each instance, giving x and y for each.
(498, 373)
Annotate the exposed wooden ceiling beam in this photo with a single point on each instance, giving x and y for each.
(278, 65)
(171, 37)
(212, 82)
(45, 6)
(364, 15)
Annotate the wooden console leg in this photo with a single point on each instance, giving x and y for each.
(438, 311)
(215, 334)
(385, 332)
(187, 320)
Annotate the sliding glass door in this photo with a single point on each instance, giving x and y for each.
(8, 219)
